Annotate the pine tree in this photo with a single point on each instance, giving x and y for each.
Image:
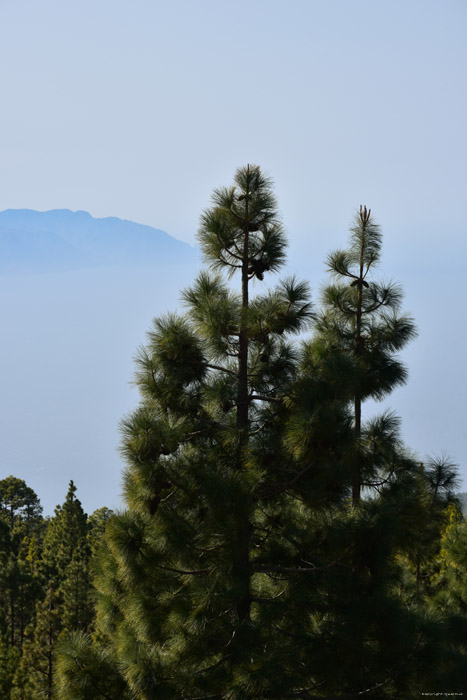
(87, 670)
(434, 500)
(361, 319)
(75, 590)
(97, 523)
(9, 659)
(19, 503)
(449, 578)
(5, 546)
(188, 597)
(34, 677)
(64, 532)
(240, 569)
(65, 604)
(20, 522)
(23, 589)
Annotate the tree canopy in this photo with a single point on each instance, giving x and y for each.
(269, 529)
(278, 541)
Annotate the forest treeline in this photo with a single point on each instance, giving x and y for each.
(276, 542)
(45, 584)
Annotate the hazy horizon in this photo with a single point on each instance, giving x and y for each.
(139, 111)
(69, 340)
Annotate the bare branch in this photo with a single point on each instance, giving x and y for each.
(270, 399)
(221, 369)
(298, 570)
(182, 572)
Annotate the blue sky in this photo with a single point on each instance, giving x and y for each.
(139, 109)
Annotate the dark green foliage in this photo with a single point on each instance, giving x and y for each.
(361, 319)
(9, 659)
(75, 590)
(87, 671)
(64, 569)
(19, 503)
(64, 531)
(241, 569)
(45, 588)
(97, 522)
(274, 545)
(244, 214)
(449, 578)
(20, 526)
(34, 677)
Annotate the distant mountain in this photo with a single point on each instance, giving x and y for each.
(61, 239)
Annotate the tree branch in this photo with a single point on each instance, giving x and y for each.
(221, 369)
(270, 399)
(182, 572)
(276, 489)
(298, 570)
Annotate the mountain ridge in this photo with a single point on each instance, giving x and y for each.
(62, 239)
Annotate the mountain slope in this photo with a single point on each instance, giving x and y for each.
(61, 239)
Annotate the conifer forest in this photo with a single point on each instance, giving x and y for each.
(278, 539)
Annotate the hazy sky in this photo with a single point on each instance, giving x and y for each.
(139, 109)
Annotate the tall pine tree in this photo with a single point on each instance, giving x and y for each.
(188, 600)
(361, 318)
(65, 604)
(240, 569)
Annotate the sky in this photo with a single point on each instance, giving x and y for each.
(139, 109)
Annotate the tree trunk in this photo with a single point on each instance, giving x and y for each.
(50, 642)
(12, 617)
(356, 477)
(241, 569)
